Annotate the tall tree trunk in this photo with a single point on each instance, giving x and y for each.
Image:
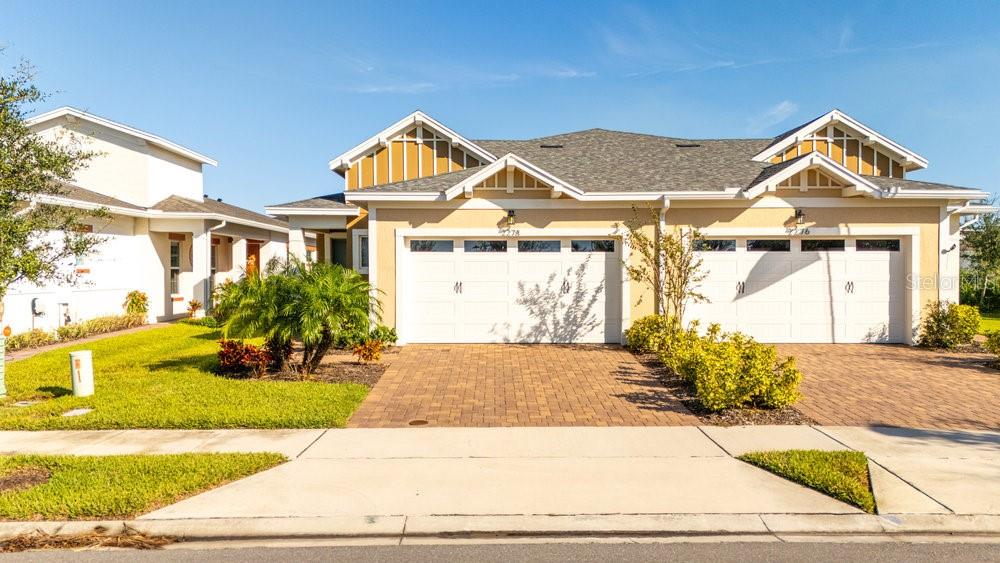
(982, 297)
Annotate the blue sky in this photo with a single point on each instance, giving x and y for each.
(274, 90)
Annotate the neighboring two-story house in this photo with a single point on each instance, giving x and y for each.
(817, 235)
(162, 236)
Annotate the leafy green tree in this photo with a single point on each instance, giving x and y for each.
(981, 247)
(667, 263)
(296, 301)
(32, 168)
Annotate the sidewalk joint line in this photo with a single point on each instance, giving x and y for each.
(311, 444)
(916, 488)
(710, 439)
(821, 431)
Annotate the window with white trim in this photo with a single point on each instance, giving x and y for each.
(175, 266)
(359, 252)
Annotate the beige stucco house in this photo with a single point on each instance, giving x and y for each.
(817, 235)
(162, 235)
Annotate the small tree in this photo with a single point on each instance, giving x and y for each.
(32, 168)
(667, 263)
(981, 247)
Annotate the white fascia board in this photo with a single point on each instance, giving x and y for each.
(837, 116)
(900, 193)
(731, 193)
(416, 118)
(350, 212)
(368, 195)
(824, 162)
(122, 128)
(512, 160)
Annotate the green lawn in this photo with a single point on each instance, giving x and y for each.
(99, 487)
(991, 322)
(161, 378)
(842, 475)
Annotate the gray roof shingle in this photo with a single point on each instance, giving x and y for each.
(330, 201)
(77, 193)
(889, 183)
(179, 204)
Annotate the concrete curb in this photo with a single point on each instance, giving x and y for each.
(218, 529)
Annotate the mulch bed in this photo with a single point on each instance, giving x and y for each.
(731, 417)
(21, 478)
(342, 366)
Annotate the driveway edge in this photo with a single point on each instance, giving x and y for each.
(220, 529)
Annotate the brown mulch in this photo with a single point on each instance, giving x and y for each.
(730, 417)
(342, 366)
(90, 540)
(21, 478)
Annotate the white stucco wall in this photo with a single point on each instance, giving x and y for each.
(126, 167)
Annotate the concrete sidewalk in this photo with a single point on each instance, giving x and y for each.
(562, 480)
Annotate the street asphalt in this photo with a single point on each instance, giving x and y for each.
(577, 552)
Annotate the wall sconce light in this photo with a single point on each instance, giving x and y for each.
(800, 216)
(510, 217)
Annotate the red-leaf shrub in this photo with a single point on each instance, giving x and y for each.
(240, 358)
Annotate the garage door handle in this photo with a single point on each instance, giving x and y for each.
(460, 287)
(849, 287)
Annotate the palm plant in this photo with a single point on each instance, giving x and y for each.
(296, 301)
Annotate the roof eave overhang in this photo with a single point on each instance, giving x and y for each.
(343, 161)
(967, 195)
(122, 128)
(911, 160)
(156, 213)
(289, 211)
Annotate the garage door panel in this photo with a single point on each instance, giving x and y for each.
(515, 296)
(435, 270)
(820, 269)
(806, 296)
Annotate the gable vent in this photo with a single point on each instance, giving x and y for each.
(551, 146)
(687, 145)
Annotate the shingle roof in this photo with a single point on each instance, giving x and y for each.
(77, 193)
(179, 204)
(889, 183)
(437, 183)
(598, 160)
(330, 201)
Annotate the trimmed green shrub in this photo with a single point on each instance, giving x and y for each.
(384, 334)
(75, 331)
(209, 322)
(648, 334)
(948, 325)
(31, 339)
(993, 342)
(731, 370)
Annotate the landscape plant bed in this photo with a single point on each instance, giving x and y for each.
(164, 378)
(342, 366)
(842, 475)
(729, 417)
(115, 487)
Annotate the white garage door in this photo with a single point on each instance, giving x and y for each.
(528, 290)
(804, 290)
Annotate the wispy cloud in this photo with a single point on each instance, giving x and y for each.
(771, 116)
(846, 35)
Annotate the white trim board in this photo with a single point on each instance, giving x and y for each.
(67, 111)
(418, 118)
(865, 134)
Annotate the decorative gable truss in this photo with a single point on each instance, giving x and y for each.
(813, 170)
(417, 146)
(847, 142)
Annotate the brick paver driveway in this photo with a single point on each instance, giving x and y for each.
(887, 385)
(519, 385)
